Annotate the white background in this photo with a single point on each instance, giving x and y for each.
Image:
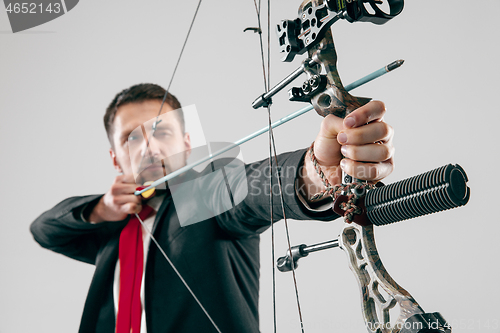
(57, 79)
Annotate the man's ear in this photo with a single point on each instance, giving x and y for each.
(187, 145)
(112, 154)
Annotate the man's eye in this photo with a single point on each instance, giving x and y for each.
(161, 134)
(134, 139)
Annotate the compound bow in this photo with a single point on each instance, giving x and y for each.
(434, 191)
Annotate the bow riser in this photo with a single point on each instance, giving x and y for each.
(358, 242)
(334, 99)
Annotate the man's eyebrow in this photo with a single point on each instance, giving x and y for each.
(164, 125)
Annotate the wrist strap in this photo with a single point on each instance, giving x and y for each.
(350, 190)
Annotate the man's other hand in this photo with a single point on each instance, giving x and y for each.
(118, 202)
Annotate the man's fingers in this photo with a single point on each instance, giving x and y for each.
(373, 111)
(123, 188)
(369, 133)
(368, 171)
(125, 179)
(368, 153)
(131, 208)
(119, 200)
(331, 126)
(326, 146)
(123, 184)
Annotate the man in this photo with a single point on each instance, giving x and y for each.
(219, 256)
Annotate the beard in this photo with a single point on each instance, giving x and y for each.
(154, 169)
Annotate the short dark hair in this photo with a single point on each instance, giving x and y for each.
(136, 94)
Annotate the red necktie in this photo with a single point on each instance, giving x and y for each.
(131, 256)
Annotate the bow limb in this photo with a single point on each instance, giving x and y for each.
(379, 292)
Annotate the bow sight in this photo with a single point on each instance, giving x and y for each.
(295, 36)
(311, 32)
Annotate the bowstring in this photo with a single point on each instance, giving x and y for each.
(273, 155)
(271, 201)
(177, 272)
(140, 164)
(169, 84)
(273, 247)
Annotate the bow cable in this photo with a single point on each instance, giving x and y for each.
(273, 155)
(271, 200)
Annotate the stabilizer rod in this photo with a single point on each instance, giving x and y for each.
(430, 192)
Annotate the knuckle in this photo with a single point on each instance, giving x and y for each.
(379, 105)
(330, 126)
(392, 150)
(374, 172)
(359, 170)
(114, 189)
(390, 165)
(327, 121)
(348, 151)
(390, 131)
(385, 130)
(375, 110)
(386, 152)
(131, 208)
(125, 209)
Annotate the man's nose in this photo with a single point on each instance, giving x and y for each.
(151, 147)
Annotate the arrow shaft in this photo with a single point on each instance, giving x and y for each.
(281, 121)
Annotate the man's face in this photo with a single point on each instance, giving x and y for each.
(167, 150)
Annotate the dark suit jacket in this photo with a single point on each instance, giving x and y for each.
(218, 257)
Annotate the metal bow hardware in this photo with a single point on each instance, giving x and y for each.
(311, 31)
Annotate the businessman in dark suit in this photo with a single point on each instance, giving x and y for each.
(217, 254)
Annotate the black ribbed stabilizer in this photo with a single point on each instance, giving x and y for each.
(431, 192)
